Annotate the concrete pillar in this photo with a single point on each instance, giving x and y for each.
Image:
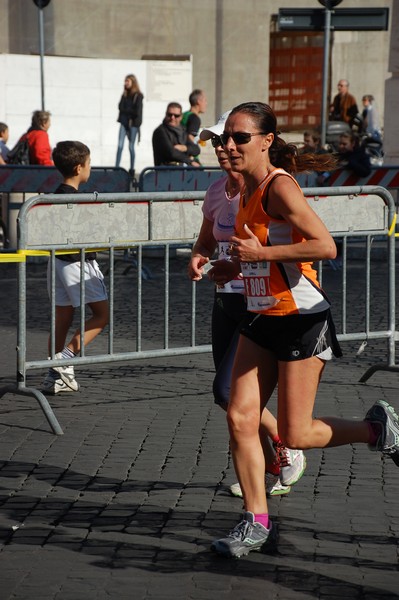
(391, 121)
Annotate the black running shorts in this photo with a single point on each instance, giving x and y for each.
(294, 337)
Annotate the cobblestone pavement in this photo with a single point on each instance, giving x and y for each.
(125, 504)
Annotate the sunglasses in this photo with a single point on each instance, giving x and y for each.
(216, 141)
(239, 137)
(173, 115)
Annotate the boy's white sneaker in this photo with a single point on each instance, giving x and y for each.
(53, 384)
(67, 374)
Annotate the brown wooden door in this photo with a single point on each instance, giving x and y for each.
(296, 78)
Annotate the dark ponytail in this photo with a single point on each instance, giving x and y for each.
(284, 155)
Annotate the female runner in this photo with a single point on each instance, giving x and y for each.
(278, 236)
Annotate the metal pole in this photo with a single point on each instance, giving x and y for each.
(41, 43)
(219, 59)
(326, 64)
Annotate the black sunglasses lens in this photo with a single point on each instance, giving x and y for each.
(216, 141)
(240, 137)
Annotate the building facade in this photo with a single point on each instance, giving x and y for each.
(235, 47)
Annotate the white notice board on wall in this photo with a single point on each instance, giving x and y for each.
(165, 77)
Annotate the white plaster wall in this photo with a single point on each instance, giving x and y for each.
(82, 95)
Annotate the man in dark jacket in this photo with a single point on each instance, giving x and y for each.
(344, 106)
(170, 143)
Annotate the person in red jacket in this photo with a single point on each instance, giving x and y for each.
(38, 140)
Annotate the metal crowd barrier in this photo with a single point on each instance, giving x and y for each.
(178, 178)
(54, 224)
(353, 213)
(387, 177)
(44, 180)
(383, 176)
(20, 182)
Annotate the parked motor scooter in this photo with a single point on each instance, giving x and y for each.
(373, 148)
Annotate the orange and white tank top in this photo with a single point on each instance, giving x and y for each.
(276, 288)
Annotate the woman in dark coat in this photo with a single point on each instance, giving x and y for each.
(130, 118)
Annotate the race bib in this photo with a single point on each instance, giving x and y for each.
(257, 286)
(235, 286)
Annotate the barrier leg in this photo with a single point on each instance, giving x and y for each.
(42, 400)
(378, 367)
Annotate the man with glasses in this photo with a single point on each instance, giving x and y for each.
(170, 143)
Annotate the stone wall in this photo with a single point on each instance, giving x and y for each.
(228, 41)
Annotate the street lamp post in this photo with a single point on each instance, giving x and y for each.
(41, 4)
(329, 5)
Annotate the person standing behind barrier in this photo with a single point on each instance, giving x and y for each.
(170, 143)
(3, 161)
(4, 150)
(130, 119)
(344, 106)
(191, 118)
(287, 344)
(371, 123)
(312, 143)
(72, 159)
(220, 208)
(38, 140)
(351, 155)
